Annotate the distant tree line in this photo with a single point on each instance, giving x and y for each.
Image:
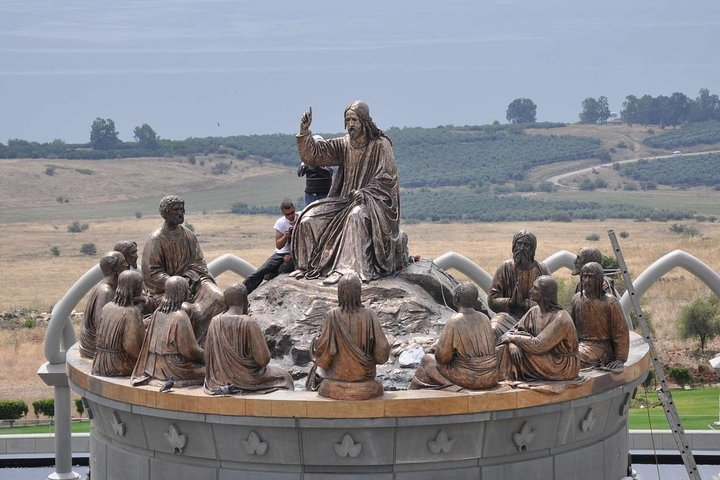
(675, 109)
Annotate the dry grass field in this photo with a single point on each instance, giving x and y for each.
(33, 278)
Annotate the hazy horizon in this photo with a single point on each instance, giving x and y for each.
(218, 68)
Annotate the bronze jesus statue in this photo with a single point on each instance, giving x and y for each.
(356, 229)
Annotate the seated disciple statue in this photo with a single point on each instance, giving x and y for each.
(170, 350)
(509, 296)
(237, 355)
(356, 229)
(601, 327)
(543, 345)
(591, 254)
(120, 331)
(351, 342)
(173, 250)
(146, 303)
(465, 352)
(111, 264)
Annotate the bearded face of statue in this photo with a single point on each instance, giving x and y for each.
(523, 253)
(175, 214)
(591, 279)
(353, 124)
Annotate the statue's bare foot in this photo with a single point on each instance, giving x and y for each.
(296, 274)
(332, 279)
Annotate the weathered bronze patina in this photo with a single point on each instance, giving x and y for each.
(465, 352)
(173, 250)
(543, 345)
(600, 323)
(170, 350)
(236, 351)
(591, 254)
(509, 296)
(121, 331)
(350, 344)
(356, 229)
(111, 264)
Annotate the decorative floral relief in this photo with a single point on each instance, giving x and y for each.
(588, 421)
(348, 447)
(441, 444)
(176, 439)
(524, 437)
(253, 445)
(117, 425)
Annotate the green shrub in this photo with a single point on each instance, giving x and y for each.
(54, 251)
(84, 171)
(88, 249)
(77, 227)
(45, 407)
(624, 234)
(700, 319)
(50, 171)
(593, 237)
(12, 410)
(138, 214)
(79, 406)
(190, 226)
(29, 323)
(680, 375)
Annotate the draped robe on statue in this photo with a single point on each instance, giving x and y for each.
(101, 295)
(170, 351)
(548, 352)
(503, 284)
(238, 356)
(170, 252)
(349, 346)
(465, 357)
(338, 234)
(119, 339)
(601, 328)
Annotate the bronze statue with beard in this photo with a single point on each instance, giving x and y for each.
(602, 331)
(591, 254)
(111, 264)
(544, 344)
(509, 296)
(356, 229)
(173, 250)
(170, 350)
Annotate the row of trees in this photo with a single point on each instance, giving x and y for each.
(104, 135)
(671, 110)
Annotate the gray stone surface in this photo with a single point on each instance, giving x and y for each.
(460, 441)
(121, 464)
(586, 463)
(538, 469)
(282, 445)
(320, 446)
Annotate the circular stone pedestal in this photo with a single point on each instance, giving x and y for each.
(504, 433)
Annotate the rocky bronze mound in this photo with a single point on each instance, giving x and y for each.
(413, 305)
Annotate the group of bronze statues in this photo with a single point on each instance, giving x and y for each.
(172, 323)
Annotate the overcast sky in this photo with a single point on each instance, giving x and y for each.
(253, 67)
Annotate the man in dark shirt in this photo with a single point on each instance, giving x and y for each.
(317, 181)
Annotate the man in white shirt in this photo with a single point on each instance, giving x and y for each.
(281, 261)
